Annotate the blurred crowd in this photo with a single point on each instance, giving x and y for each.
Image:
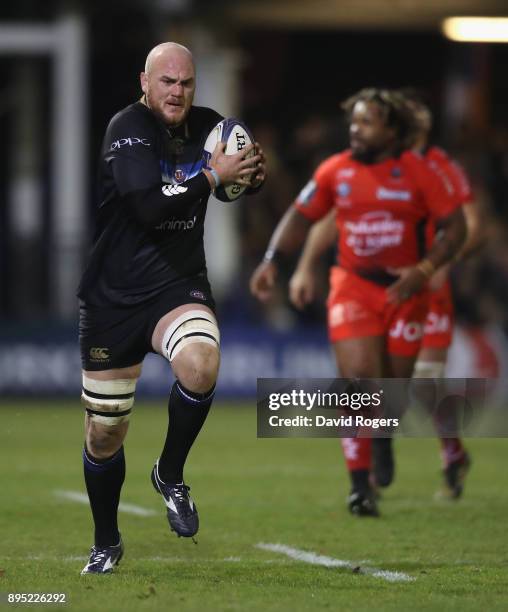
(480, 283)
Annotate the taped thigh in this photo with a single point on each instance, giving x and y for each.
(190, 327)
(108, 402)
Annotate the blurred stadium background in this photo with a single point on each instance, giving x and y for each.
(283, 66)
(66, 67)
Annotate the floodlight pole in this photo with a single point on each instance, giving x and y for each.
(70, 161)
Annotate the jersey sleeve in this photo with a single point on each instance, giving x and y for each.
(316, 198)
(460, 181)
(438, 193)
(129, 150)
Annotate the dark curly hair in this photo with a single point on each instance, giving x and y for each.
(420, 107)
(395, 109)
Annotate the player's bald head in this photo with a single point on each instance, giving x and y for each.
(167, 51)
(169, 82)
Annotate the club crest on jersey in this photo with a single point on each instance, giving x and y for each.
(199, 295)
(179, 175)
(396, 172)
(343, 189)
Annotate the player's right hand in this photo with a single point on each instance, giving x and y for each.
(235, 168)
(302, 288)
(411, 281)
(262, 280)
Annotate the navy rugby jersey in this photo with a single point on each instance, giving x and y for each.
(153, 199)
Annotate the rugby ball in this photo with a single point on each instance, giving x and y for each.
(237, 136)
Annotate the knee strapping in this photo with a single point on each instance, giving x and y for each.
(429, 369)
(190, 327)
(108, 402)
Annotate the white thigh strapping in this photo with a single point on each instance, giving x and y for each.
(192, 326)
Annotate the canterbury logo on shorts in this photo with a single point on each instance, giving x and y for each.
(99, 354)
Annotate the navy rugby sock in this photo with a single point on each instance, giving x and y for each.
(187, 413)
(360, 481)
(104, 479)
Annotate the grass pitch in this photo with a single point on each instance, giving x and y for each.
(249, 491)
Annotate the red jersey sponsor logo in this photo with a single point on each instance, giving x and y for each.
(373, 232)
(437, 324)
(345, 173)
(307, 193)
(393, 194)
(410, 331)
(346, 312)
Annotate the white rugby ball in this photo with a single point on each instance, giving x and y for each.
(237, 136)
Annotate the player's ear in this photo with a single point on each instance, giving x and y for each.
(143, 78)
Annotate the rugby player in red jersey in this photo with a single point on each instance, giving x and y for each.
(382, 196)
(438, 326)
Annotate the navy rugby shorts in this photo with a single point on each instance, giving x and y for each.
(119, 337)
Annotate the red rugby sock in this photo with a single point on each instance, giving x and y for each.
(357, 453)
(451, 450)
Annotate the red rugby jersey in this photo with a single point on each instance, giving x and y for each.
(440, 161)
(452, 172)
(381, 208)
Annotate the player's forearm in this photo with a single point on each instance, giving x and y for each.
(321, 238)
(452, 233)
(288, 235)
(158, 203)
(476, 236)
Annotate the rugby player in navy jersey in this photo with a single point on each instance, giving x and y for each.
(145, 288)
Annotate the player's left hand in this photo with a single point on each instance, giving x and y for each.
(262, 281)
(411, 280)
(259, 175)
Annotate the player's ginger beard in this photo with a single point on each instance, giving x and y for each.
(145, 103)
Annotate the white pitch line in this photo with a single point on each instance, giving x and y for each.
(156, 559)
(82, 498)
(315, 559)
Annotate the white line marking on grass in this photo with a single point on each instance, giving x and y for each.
(315, 559)
(82, 498)
(156, 559)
